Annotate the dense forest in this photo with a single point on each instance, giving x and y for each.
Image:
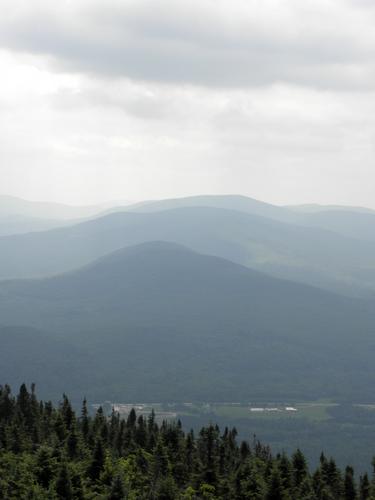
(49, 452)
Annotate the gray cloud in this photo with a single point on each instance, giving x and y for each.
(114, 99)
(210, 43)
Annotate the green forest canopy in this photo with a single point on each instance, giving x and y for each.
(49, 452)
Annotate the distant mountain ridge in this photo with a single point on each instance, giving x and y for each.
(11, 205)
(20, 224)
(229, 202)
(19, 216)
(315, 208)
(355, 222)
(306, 254)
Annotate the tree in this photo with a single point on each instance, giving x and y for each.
(350, 492)
(44, 467)
(275, 488)
(84, 420)
(365, 487)
(72, 442)
(97, 462)
(166, 489)
(63, 486)
(117, 489)
(299, 467)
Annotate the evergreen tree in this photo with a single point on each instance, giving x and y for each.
(72, 443)
(166, 489)
(84, 421)
(117, 489)
(275, 488)
(97, 462)
(365, 488)
(299, 467)
(77, 485)
(349, 485)
(63, 486)
(44, 467)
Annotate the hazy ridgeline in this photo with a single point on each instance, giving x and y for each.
(199, 299)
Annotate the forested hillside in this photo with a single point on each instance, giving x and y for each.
(165, 323)
(49, 452)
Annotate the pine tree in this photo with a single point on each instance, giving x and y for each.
(349, 485)
(67, 413)
(365, 487)
(275, 488)
(63, 486)
(97, 462)
(72, 443)
(44, 467)
(299, 467)
(117, 490)
(132, 418)
(285, 470)
(78, 488)
(84, 421)
(166, 489)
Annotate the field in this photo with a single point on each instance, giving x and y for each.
(317, 411)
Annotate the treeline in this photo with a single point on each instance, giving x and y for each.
(49, 452)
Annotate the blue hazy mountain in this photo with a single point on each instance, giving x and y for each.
(159, 321)
(307, 254)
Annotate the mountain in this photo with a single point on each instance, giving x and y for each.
(28, 354)
(306, 254)
(12, 206)
(18, 216)
(316, 208)
(355, 222)
(160, 322)
(360, 225)
(229, 202)
(20, 224)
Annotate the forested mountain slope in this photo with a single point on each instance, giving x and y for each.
(163, 322)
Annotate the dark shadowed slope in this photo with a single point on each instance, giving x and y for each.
(310, 255)
(158, 321)
(28, 354)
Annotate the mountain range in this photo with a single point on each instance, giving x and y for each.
(310, 255)
(208, 298)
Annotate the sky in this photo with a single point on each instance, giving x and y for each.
(111, 100)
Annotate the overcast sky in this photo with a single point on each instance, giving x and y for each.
(134, 99)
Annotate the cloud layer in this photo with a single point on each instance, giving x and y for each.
(140, 98)
(323, 43)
